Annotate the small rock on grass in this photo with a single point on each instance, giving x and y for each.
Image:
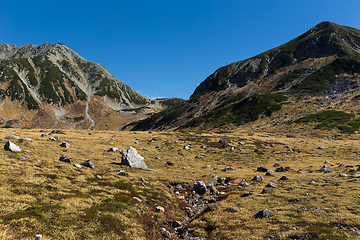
(264, 213)
(12, 147)
(89, 164)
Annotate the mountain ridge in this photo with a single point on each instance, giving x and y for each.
(51, 77)
(325, 60)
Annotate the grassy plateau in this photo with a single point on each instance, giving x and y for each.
(42, 195)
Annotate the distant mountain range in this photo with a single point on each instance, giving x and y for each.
(51, 85)
(320, 69)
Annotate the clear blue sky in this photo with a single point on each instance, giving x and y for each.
(165, 48)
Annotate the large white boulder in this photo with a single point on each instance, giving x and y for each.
(132, 158)
(12, 147)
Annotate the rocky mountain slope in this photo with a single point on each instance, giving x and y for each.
(321, 65)
(51, 85)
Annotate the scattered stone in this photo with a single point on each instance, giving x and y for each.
(355, 175)
(160, 209)
(98, 176)
(324, 168)
(243, 184)
(44, 135)
(158, 147)
(12, 147)
(276, 165)
(123, 173)
(66, 159)
(57, 132)
(187, 147)
(199, 187)
(169, 163)
(262, 169)
(175, 224)
(157, 158)
(246, 194)
(232, 210)
(28, 151)
(199, 156)
(264, 213)
(207, 166)
(13, 137)
(284, 178)
(290, 136)
(77, 165)
(242, 143)
(65, 145)
(312, 182)
(137, 199)
(319, 210)
(132, 158)
(22, 158)
(186, 168)
(52, 139)
(223, 142)
(89, 164)
(28, 140)
(258, 178)
(326, 162)
(269, 174)
(228, 169)
(113, 149)
(273, 185)
(282, 169)
(321, 147)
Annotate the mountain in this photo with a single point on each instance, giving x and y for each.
(321, 65)
(51, 85)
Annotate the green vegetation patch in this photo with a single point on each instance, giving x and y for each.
(332, 119)
(246, 110)
(289, 78)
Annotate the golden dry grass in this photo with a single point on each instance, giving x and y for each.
(44, 195)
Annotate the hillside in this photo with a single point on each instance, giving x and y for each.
(51, 85)
(321, 66)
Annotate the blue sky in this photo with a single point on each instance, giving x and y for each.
(167, 48)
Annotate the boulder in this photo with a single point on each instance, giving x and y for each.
(66, 159)
(89, 164)
(200, 187)
(132, 158)
(65, 145)
(13, 137)
(223, 142)
(12, 147)
(264, 213)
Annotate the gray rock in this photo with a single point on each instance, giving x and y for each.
(89, 164)
(284, 178)
(175, 224)
(324, 168)
(169, 163)
(262, 169)
(207, 166)
(65, 145)
(266, 191)
(319, 210)
(321, 147)
(355, 175)
(66, 159)
(200, 187)
(269, 174)
(28, 140)
(232, 210)
(77, 165)
(209, 185)
(343, 175)
(22, 158)
(187, 147)
(13, 137)
(312, 182)
(44, 135)
(186, 168)
(273, 185)
(243, 184)
(98, 176)
(223, 142)
(258, 178)
(123, 173)
(113, 149)
(132, 158)
(246, 194)
(12, 147)
(52, 139)
(200, 156)
(264, 213)
(28, 151)
(326, 162)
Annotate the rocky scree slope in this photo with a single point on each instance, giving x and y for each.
(324, 61)
(58, 86)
